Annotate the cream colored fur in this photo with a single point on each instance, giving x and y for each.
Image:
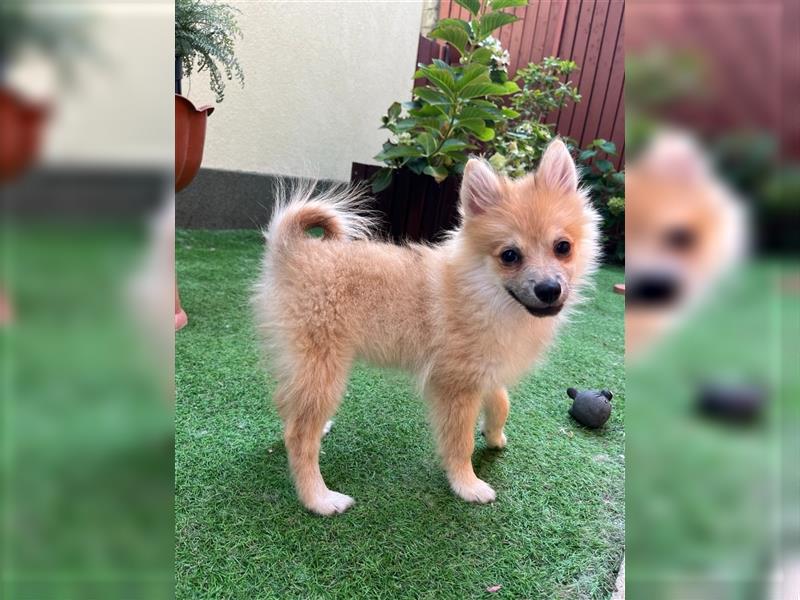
(441, 312)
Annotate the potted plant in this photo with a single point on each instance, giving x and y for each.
(449, 117)
(53, 36)
(205, 37)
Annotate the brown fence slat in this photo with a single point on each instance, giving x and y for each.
(594, 80)
(611, 49)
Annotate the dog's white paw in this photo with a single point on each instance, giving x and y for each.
(493, 440)
(330, 503)
(476, 490)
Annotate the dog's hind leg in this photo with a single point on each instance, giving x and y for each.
(454, 417)
(495, 413)
(306, 401)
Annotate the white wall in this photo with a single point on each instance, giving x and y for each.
(118, 109)
(318, 78)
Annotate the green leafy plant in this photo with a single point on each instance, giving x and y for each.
(607, 189)
(205, 39)
(545, 87)
(434, 132)
(60, 37)
(520, 142)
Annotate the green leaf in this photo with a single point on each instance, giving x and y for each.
(472, 111)
(479, 88)
(455, 36)
(405, 124)
(382, 179)
(473, 6)
(509, 113)
(434, 124)
(587, 155)
(501, 4)
(486, 134)
(510, 87)
(474, 125)
(454, 145)
(431, 96)
(498, 161)
(438, 173)
(478, 128)
(484, 103)
(398, 152)
(416, 165)
(426, 141)
(394, 110)
(441, 78)
(428, 110)
(608, 147)
(473, 74)
(604, 166)
(495, 20)
(482, 56)
(453, 23)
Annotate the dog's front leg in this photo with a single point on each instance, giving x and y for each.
(454, 418)
(495, 413)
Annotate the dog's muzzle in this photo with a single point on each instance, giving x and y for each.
(538, 311)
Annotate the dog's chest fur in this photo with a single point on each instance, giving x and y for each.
(482, 337)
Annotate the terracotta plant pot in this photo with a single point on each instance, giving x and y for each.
(190, 136)
(21, 124)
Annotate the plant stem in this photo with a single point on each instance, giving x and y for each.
(447, 131)
(178, 75)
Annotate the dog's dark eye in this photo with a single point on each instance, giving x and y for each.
(680, 239)
(562, 248)
(510, 256)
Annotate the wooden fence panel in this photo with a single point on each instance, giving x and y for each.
(590, 32)
(737, 46)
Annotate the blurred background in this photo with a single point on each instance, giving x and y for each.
(712, 311)
(86, 150)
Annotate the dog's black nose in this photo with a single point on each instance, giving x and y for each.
(651, 289)
(547, 291)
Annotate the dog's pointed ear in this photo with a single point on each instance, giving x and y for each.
(676, 156)
(480, 188)
(557, 169)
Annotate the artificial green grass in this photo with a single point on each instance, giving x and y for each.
(86, 433)
(556, 530)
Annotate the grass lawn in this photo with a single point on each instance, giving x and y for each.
(87, 479)
(709, 502)
(556, 530)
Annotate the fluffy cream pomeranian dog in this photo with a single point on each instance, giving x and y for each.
(467, 317)
(684, 231)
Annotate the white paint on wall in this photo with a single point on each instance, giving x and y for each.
(318, 78)
(118, 109)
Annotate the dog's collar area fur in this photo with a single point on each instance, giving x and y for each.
(547, 311)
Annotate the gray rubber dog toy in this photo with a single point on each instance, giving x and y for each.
(591, 408)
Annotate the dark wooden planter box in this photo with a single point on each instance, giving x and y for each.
(414, 207)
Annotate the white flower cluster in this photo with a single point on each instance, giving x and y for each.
(500, 57)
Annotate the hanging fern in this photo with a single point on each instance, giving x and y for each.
(205, 37)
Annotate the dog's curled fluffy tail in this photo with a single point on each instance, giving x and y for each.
(338, 211)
